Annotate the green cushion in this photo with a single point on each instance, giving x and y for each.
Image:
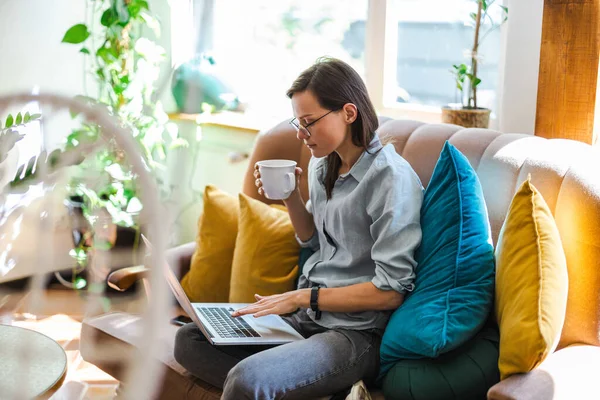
(464, 373)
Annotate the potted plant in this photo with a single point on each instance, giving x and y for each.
(467, 112)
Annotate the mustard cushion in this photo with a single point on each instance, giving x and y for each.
(265, 259)
(531, 283)
(210, 268)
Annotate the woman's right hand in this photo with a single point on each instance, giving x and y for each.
(258, 182)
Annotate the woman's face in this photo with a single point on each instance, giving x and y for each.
(328, 133)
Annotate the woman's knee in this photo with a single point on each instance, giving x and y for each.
(245, 381)
(186, 341)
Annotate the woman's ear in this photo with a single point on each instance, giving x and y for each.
(350, 113)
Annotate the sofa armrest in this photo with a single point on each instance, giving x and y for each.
(570, 373)
(123, 278)
(179, 258)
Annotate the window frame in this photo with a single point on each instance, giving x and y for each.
(517, 84)
(381, 62)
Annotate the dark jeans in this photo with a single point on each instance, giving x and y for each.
(326, 362)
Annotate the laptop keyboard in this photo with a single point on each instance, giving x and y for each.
(226, 326)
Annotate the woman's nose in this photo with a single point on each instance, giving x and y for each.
(303, 134)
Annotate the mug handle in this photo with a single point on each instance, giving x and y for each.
(291, 181)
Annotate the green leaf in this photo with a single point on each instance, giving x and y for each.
(80, 283)
(476, 82)
(54, 158)
(134, 205)
(79, 254)
(19, 173)
(143, 4)
(81, 136)
(76, 34)
(484, 5)
(504, 8)
(9, 121)
(36, 116)
(474, 16)
(27, 117)
(84, 51)
(135, 7)
(128, 194)
(30, 167)
(109, 17)
(19, 119)
(106, 55)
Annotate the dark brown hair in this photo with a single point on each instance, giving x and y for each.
(335, 83)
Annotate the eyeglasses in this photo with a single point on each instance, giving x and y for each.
(304, 128)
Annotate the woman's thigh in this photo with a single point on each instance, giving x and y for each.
(323, 364)
(207, 362)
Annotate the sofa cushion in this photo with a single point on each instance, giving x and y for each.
(531, 283)
(462, 374)
(210, 269)
(265, 259)
(454, 286)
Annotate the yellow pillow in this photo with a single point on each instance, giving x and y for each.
(265, 259)
(531, 283)
(210, 268)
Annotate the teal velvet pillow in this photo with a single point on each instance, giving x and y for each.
(454, 285)
(465, 373)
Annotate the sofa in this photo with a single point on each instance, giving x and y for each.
(567, 173)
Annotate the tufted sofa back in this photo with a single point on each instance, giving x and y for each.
(566, 172)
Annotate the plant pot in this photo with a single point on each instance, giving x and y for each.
(469, 118)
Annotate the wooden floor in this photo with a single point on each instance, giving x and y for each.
(60, 318)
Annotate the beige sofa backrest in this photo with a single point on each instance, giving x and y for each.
(567, 173)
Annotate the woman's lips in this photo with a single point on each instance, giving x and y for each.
(311, 146)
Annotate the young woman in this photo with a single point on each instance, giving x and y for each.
(362, 222)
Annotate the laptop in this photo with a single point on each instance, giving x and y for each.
(220, 328)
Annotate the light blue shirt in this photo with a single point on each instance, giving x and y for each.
(367, 232)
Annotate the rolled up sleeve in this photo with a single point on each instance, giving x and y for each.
(396, 229)
(313, 242)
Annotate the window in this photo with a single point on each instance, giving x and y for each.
(403, 49)
(261, 46)
(434, 35)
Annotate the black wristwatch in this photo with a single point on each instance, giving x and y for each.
(314, 301)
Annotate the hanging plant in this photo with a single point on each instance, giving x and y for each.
(125, 64)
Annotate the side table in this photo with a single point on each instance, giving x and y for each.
(30, 363)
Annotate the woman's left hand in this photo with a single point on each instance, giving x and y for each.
(277, 304)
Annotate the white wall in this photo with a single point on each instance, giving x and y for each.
(32, 54)
(31, 49)
(522, 37)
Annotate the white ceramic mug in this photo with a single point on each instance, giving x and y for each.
(278, 178)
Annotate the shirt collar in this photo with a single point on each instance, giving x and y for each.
(360, 167)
